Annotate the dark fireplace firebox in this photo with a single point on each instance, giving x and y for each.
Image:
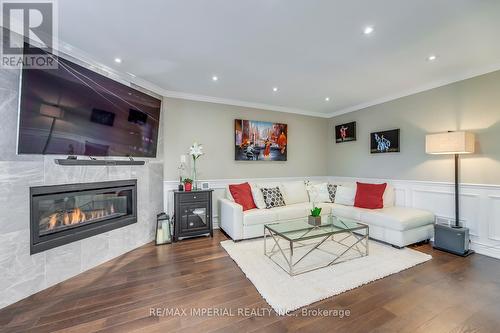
(62, 214)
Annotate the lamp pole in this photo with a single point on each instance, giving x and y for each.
(50, 135)
(457, 209)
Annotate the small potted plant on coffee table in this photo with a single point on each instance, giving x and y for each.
(315, 217)
(188, 184)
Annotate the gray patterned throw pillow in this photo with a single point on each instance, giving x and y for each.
(332, 190)
(273, 197)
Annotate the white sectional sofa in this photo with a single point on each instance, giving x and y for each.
(399, 226)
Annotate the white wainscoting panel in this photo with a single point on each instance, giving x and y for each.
(494, 216)
(401, 195)
(479, 206)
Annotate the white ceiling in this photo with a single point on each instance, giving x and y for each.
(310, 49)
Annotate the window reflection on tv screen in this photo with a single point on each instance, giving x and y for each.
(75, 111)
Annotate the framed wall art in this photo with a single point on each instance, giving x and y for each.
(260, 140)
(384, 142)
(345, 132)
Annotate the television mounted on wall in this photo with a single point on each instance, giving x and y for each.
(72, 110)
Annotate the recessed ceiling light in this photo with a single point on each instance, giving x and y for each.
(432, 57)
(118, 60)
(327, 99)
(275, 89)
(133, 75)
(368, 30)
(215, 78)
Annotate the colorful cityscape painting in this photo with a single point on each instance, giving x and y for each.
(260, 141)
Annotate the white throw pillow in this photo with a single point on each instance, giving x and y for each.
(258, 198)
(294, 192)
(345, 195)
(389, 197)
(318, 193)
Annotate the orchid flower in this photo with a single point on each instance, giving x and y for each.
(196, 150)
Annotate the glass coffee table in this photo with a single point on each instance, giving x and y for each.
(299, 247)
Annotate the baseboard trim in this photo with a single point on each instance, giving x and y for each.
(487, 250)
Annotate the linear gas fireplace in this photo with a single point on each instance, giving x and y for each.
(62, 214)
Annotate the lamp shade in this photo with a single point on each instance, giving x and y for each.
(460, 142)
(51, 111)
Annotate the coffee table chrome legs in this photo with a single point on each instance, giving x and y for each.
(290, 257)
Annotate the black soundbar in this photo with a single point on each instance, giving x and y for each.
(75, 162)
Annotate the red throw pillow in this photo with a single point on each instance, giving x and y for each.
(370, 195)
(242, 194)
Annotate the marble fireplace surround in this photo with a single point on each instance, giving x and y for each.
(22, 274)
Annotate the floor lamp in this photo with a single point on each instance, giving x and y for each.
(456, 238)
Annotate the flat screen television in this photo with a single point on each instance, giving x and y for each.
(72, 110)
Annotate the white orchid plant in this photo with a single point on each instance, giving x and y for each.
(196, 150)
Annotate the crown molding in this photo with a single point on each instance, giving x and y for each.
(129, 79)
(226, 101)
(154, 89)
(430, 86)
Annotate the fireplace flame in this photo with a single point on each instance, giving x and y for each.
(77, 216)
(52, 221)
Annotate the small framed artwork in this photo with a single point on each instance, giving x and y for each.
(384, 142)
(345, 132)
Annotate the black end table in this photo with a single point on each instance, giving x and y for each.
(192, 214)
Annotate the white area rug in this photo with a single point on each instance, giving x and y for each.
(285, 293)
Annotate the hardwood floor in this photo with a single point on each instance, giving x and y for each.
(446, 294)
